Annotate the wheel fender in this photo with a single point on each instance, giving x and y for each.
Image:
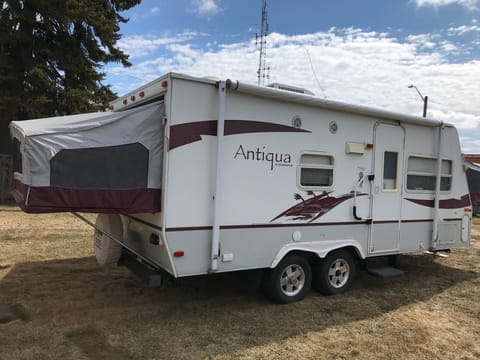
(319, 248)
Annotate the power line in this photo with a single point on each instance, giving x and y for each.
(314, 72)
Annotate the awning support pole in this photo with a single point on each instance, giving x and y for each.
(436, 204)
(217, 200)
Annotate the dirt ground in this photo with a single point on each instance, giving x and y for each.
(57, 303)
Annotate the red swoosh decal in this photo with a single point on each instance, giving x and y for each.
(314, 207)
(184, 134)
(445, 204)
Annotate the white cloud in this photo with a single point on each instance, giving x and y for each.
(205, 7)
(423, 40)
(448, 47)
(351, 65)
(460, 30)
(469, 4)
(137, 16)
(141, 45)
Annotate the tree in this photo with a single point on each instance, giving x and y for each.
(51, 54)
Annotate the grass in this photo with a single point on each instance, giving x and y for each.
(64, 306)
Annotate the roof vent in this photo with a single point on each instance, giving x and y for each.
(290, 88)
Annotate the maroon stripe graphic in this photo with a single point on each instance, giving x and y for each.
(338, 223)
(191, 228)
(445, 204)
(300, 225)
(184, 134)
(401, 221)
(386, 221)
(264, 226)
(267, 226)
(417, 220)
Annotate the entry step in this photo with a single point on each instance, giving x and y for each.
(386, 272)
(151, 277)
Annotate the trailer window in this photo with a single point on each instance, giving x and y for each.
(421, 174)
(316, 170)
(390, 161)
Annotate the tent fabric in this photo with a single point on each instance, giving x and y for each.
(46, 199)
(473, 179)
(96, 162)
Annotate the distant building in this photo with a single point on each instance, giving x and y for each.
(472, 157)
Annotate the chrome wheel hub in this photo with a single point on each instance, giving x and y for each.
(292, 280)
(338, 273)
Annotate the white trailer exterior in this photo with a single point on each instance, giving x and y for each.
(255, 177)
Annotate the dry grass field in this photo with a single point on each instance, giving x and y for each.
(56, 303)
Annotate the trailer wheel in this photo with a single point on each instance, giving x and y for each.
(289, 281)
(334, 274)
(107, 251)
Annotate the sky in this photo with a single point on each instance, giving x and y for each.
(362, 52)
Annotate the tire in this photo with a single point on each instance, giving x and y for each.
(334, 274)
(107, 251)
(289, 281)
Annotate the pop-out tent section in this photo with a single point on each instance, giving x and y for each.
(473, 179)
(103, 162)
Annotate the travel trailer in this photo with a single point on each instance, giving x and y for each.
(473, 179)
(194, 176)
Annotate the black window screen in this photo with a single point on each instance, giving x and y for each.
(316, 177)
(111, 167)
(17, 156)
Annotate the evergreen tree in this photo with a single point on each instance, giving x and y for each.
(51, 54)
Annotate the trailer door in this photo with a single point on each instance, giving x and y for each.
(387, 188)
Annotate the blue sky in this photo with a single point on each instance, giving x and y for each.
(358, 51)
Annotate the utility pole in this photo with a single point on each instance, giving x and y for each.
(261, 41)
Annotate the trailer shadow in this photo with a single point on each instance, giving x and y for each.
(107, 313)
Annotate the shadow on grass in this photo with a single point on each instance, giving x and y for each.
(109, 313)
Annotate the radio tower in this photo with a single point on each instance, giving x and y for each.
(261, 40)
